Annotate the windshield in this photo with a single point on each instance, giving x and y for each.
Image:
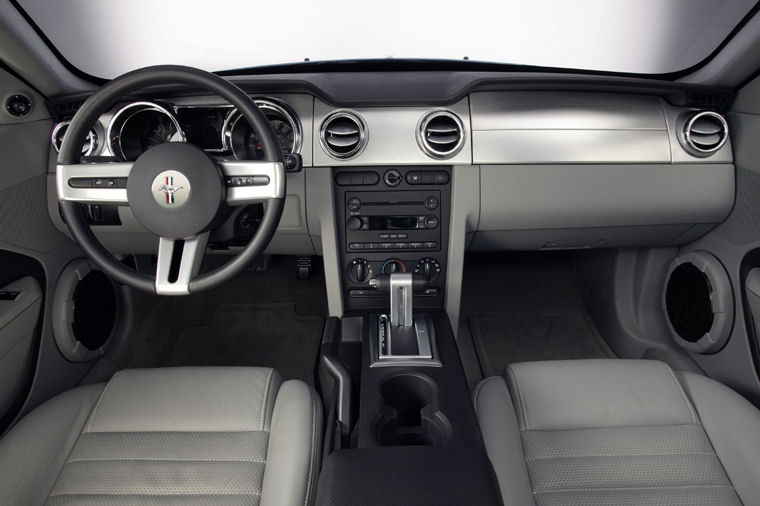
(106, 38)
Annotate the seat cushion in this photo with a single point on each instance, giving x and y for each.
(224, 436)
(604, 432)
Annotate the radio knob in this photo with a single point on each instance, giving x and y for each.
(354, 223)
(359, 271)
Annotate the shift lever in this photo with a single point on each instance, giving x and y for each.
(400, 285)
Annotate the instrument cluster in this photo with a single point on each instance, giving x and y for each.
(219, 130)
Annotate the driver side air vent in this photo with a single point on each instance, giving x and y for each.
(705, 133)
(440, 134)
(343, 135)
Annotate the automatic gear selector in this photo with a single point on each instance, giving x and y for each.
(403, 338)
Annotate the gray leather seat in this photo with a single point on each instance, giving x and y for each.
(198, 436)
(618, 432)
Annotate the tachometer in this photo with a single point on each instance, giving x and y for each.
(245, 144)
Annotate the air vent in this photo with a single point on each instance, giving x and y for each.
(705, 133)
(440, 134)
(343, 135)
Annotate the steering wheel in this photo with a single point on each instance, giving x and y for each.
(175, 190)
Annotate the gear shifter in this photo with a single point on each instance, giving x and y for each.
(403, 337)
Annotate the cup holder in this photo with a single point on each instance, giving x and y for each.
(410, 415)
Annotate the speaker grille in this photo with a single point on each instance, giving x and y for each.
(688, 302)
(94, 310)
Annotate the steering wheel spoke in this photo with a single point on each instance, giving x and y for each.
(251, 182)
(93, 183)
(178, 263)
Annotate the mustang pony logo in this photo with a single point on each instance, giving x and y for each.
(169, 189)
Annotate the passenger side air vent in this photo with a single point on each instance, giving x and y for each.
(343, 135)
(705, 133)
(440, 134)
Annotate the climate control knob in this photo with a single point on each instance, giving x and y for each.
(359, 271)
(393, 265)
(428, 267)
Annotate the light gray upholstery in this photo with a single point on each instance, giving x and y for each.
(200, 436)
(618, 432)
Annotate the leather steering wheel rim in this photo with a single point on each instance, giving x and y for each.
(116, 90)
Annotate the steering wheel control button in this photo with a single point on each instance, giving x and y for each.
(247, 181)
(392, 177)
(171, 189)
(431, 203)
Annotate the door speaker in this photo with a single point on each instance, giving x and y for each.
(85, 309)
(698, 302)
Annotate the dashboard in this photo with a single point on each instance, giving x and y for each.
(530, 166)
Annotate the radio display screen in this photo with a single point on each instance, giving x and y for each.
(392, 222)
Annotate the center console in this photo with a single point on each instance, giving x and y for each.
(392, 219)
(401, 427)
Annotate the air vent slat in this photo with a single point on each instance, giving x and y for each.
(443, 139)
(342, 130)
(441, 134)
(705, 133)
(343, 135)
(342, 140)
(706, 140)
(442, 130)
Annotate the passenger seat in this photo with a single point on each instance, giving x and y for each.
(618, 432)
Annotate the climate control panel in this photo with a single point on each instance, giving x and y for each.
(395, 222)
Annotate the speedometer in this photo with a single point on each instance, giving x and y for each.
(245, 143)
(140, 126)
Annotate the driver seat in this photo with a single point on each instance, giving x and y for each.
(186, 435)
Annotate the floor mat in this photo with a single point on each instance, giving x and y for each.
(271, 335)
(502, 338)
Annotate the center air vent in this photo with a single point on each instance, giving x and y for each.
(705, 133)
(343, 135)
(440, 134)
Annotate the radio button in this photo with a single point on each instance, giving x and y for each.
(440, 177)
(431, 221)
(431, 203)
(414, 177)
(386, 245)
(401, 245)
(384, 236)
(402, 236)
(431, 245)
(415, 245)
(354, 204)
(371, 178)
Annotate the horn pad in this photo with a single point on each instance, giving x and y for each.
(175, 190)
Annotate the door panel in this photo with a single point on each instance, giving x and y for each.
(20, 305)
